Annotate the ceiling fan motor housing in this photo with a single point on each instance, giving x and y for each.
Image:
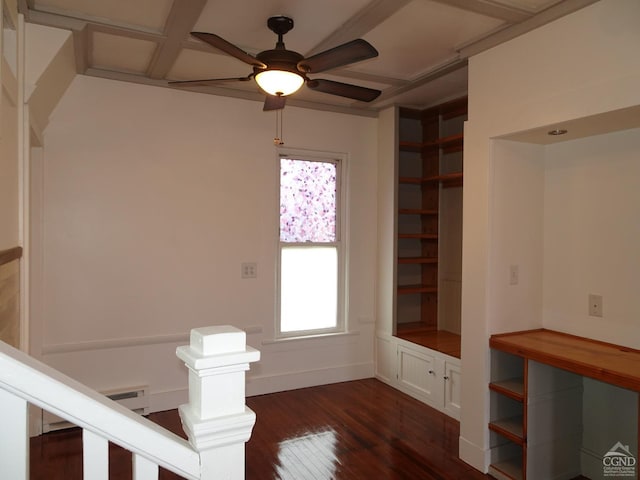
(280, 59)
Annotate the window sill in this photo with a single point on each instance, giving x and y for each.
(318, 336)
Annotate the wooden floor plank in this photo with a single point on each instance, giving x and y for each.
(353, 430)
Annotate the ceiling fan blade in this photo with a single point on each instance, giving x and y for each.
(209, 82)
(347, 90)
(229, 48)
(273, 102)
(350, 52)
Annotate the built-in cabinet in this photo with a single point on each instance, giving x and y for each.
(540, 414)
(427, 375)
(420, 257)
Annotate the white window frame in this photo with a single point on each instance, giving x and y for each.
(340, 160)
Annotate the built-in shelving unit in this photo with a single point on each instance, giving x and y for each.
(429, 161)
(536, 413)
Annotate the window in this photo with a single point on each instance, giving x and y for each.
(310, 247)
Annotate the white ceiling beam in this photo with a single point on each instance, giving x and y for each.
(360, 24)
(490, 9)
(80, 48)
(545, 16)
(183, 16)
(368, 77)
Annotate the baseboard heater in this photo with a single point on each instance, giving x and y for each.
(134, 398)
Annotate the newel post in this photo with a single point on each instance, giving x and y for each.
(216, 419)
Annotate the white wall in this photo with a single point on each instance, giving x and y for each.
(591, 236)
(583, 64)
(153, 198)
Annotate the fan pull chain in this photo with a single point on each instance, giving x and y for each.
(278, 138)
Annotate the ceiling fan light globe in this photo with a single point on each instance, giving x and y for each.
(279, 82)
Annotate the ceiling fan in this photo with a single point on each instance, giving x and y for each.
(280, 72)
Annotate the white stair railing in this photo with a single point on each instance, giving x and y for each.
(216, 419)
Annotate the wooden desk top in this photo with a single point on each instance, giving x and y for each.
(607, 362)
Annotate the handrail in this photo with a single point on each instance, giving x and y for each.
(10, 255)
(53, 391)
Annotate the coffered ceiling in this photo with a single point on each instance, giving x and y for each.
(423, 45)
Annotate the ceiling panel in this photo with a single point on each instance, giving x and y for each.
(145, 13)
(422, 36)
(124, 53)
(244, 22)
(436, 91)
(196, 65)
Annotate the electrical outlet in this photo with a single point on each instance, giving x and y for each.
(595, 305)
(514, 275)
(249, 270)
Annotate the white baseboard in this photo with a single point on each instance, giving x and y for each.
(591, 464)
(161, 401)
(474, 455)
(260, 385)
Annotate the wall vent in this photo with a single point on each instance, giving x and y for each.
(134, 398)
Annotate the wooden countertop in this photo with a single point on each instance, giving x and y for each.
(607, 362)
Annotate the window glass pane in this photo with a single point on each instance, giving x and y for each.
(307, 201)
(309, 288)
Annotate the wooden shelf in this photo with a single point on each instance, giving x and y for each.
(511, 428)
(10, 255)
(418, 260)
(512, 388)
(447, 177)
(411, 289)
(606, 362)
(452, 141)
(420, 236)
(411, 146)
(511, 468)
(439, 340)
(417, 211)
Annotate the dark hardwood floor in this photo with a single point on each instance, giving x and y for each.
(353, 430)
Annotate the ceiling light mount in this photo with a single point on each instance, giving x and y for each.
(557, 131)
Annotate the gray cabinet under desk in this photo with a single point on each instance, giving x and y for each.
(563, 406)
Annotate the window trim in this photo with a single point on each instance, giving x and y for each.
(341, 162)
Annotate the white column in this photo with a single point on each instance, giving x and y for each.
(216, 419)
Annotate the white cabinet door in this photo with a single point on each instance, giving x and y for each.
(452, 389)
(417, 374)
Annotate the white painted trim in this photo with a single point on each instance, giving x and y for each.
(167, 400)
(181, 338)
(24, 173)
(474, 455)
(53, 349)
(590, 463)
(260, 385)
(319, 336)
